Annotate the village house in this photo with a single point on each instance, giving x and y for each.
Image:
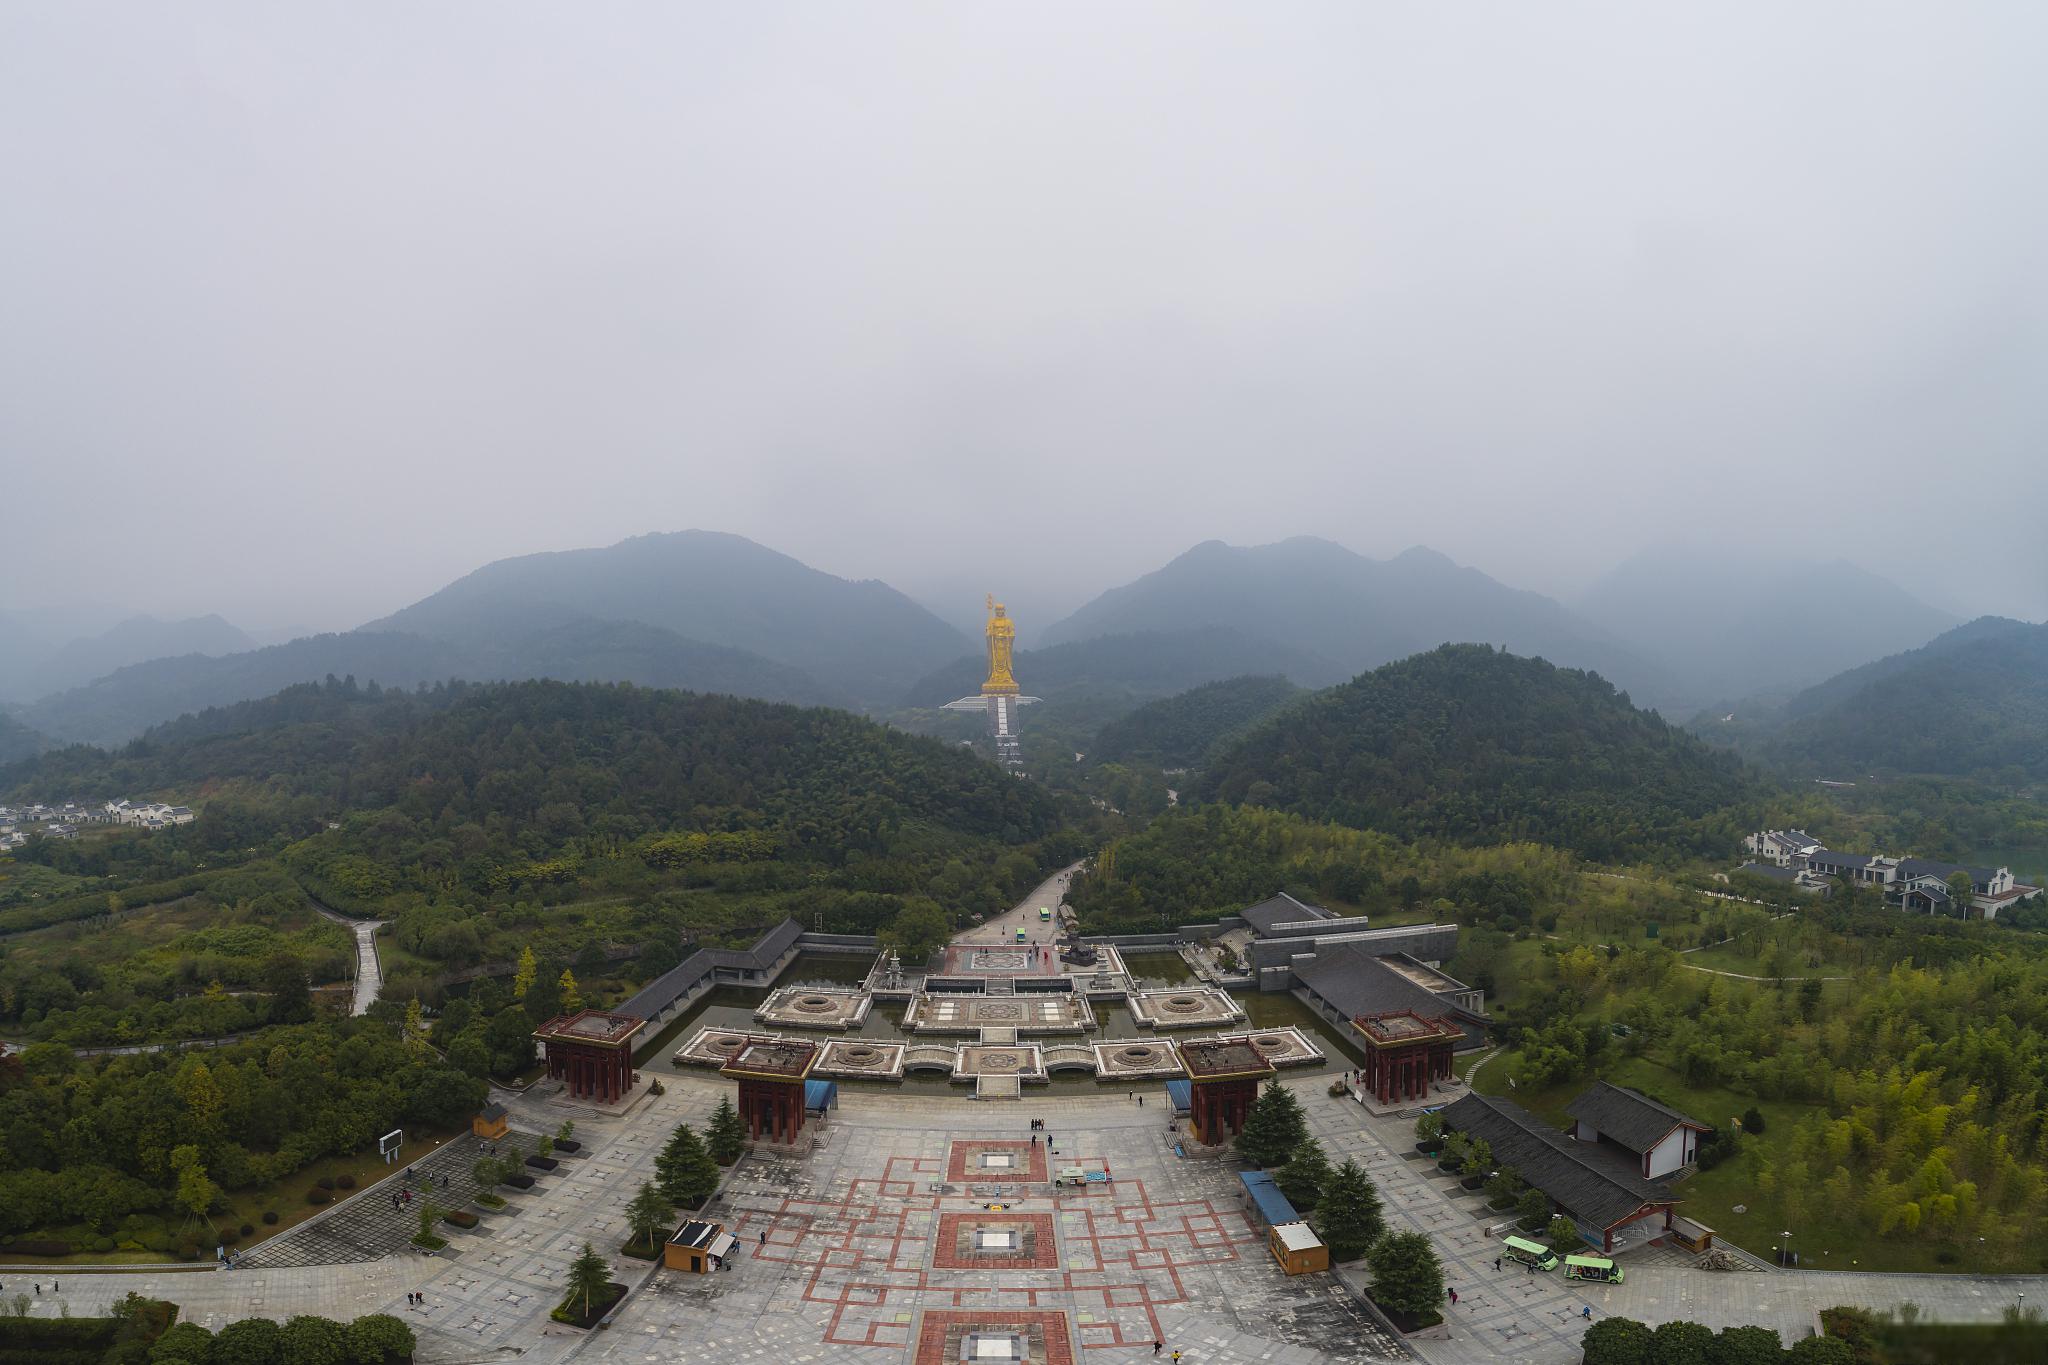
(1919, 884)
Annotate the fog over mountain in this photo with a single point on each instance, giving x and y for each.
(312, 310)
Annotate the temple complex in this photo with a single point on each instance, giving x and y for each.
(771, 1075)
(1405, 1052)
(1223, 1077)
(593, 1051)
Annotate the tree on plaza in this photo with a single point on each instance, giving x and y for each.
(1821, 1351)
(376, 1338)
(251, 1341)
(1532, 1206)
(311, 1340)
(647, 1215)
(726, 1136)
(1681, 1343)
(685, 1171)
(572, 999)
(1348, 1216)
(1303, 1177)
(1274, 1128)
(1562, 1232)
(1406, 1276)
(1746, 1346)
(588, 1278)
(522, 977)
(1478, 1159)
(430, 1214)
(1616, 1341)
(1429, 1128)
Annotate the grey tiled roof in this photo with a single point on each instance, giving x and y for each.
(1631, 1118)
(1281, 908)
(1595, 1190)
(1356, 982)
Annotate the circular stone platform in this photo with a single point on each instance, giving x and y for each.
(1185, 1007)
(820, 1007)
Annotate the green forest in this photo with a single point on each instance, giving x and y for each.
(536, 846)
(1470, 743)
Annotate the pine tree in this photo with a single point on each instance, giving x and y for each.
(726, 1136)
(1406, 1275)
(1303, 1177)
(415, 1028)
(588, 1278)
(685, 1171)
(647, 1215)
(1348, 1216)
(571, 1000)
(1274, 1128)
(522, 980)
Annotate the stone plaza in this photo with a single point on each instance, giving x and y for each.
(908, 1227)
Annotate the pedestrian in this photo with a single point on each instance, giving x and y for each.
(1586, 1312)
(1176, 1358)
(1156, 1347)
(1141, 1101)
(1496, 1265)
(39, 1291)
(1528, 1269)
(764, 1237)
(1454, 1296)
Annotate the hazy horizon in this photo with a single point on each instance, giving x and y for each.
(313, 309)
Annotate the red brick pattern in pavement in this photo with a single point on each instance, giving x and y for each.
(940, 1331)
(956, 1229)
(963, 1163)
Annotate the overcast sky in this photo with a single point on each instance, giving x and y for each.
(306, 309)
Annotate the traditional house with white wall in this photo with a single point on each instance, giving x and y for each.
(1912, 883)
(1660, 1139)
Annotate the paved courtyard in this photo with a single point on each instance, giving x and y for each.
(919, 1220)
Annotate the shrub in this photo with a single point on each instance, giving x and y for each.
(316, 1195)
(248, 1230)
(344, 1182)
(188, 1251)
(461, 1218)
(158, 1241)
(102, 1244)
(1336, 1090)
(325, 1182)
(270, 1218)
(44, 1247)
(379, 1336)
(1753, 1121)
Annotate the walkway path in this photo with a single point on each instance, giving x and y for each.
(1024, 914)
(369, 972)
(1739, 976)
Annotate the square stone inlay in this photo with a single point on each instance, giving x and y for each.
(995, 1241)
(966, 1162)
(952, 1336)
(997, 1161)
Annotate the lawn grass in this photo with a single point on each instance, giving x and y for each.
(1730, 957)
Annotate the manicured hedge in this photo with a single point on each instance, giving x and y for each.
(461, 1218)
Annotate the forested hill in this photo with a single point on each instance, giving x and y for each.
(1474, 744)
(1140, 666)
(468, 777)
(864, 639)
(1974, 702)
(1179, 731)
(123, 704)
(17, 741)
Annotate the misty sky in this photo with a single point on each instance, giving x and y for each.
(306, 309)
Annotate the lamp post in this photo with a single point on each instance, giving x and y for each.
(1788, 1249)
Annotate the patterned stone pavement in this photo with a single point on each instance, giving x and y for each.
(839, 1260)
(366, 1227)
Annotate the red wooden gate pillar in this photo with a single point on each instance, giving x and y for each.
(1223, 1076)
(771, 1073)
(592, 1050)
